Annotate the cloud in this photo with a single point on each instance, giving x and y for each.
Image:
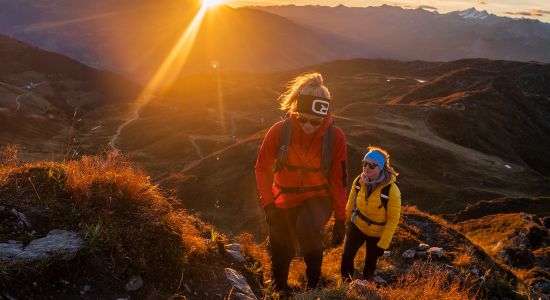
(410, 6)
(427, 7)
(532, 13)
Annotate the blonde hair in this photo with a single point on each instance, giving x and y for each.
(389, 171)
(305, 84)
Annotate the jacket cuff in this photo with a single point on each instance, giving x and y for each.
(382, 245)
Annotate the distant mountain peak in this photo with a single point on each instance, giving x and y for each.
(473, 13)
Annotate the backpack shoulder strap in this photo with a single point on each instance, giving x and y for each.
(327, 149)
(284, 144)
(357, 188)
(385, 195)
(357, 185)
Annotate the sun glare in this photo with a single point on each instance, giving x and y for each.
(212, 3)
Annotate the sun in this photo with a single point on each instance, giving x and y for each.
(212, 3)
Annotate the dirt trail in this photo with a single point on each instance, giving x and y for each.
(18, 101)
(29, 86)
(135, 116)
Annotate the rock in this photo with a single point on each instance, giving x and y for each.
(241, 296)
(435, 251)
(519, 257)
(236, 255)
(85, 289)
(422, 247)
(10, 250)
(134, 283)
(234, 247)
(241, 289)
(8, 296)
(235, 251)
(409, 253)
(379, 280)
(59, 243)
(21, 217)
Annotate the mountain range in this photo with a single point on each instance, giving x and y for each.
(118, 35)
(410, 34)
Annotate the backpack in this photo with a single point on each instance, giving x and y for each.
(282, 157)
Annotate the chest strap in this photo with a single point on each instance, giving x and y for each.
(300, 190)
(367, 220)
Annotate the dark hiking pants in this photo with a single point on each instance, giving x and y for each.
(354, 240)
(304, 224)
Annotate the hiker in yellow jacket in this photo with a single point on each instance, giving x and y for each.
(372, 212)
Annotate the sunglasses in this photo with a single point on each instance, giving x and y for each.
(314, 122)
(370, 165)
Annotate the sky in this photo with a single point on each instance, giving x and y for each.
(539, 9)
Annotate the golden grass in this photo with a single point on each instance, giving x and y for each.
(260, 261)
(426, 281)
(9, 155)
(112, 172)
(129, 225)
(423, 281)
(463, 259)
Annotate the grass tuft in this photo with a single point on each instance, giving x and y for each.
(129, 226)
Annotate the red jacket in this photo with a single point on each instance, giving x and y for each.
(305, 151)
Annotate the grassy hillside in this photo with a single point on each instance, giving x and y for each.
(464, 271)
(518, 240)
(129, 226)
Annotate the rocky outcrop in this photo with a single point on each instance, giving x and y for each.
(240, 288)
(58, 244)
(517, 240)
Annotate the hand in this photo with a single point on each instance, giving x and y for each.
(379, 251)
(338, 232)
(271, 212)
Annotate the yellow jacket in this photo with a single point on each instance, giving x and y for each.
(371, 210)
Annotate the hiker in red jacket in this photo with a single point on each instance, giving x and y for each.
(301, 173)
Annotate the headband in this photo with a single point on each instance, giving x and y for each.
(377, 157)
(314, 105)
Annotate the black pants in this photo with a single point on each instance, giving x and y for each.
(354, 240)
(304, 224)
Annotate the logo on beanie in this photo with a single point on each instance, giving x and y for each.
(320, 107)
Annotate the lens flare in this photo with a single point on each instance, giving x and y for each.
(212, 3)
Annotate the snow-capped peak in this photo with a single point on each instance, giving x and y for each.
(473, 13)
